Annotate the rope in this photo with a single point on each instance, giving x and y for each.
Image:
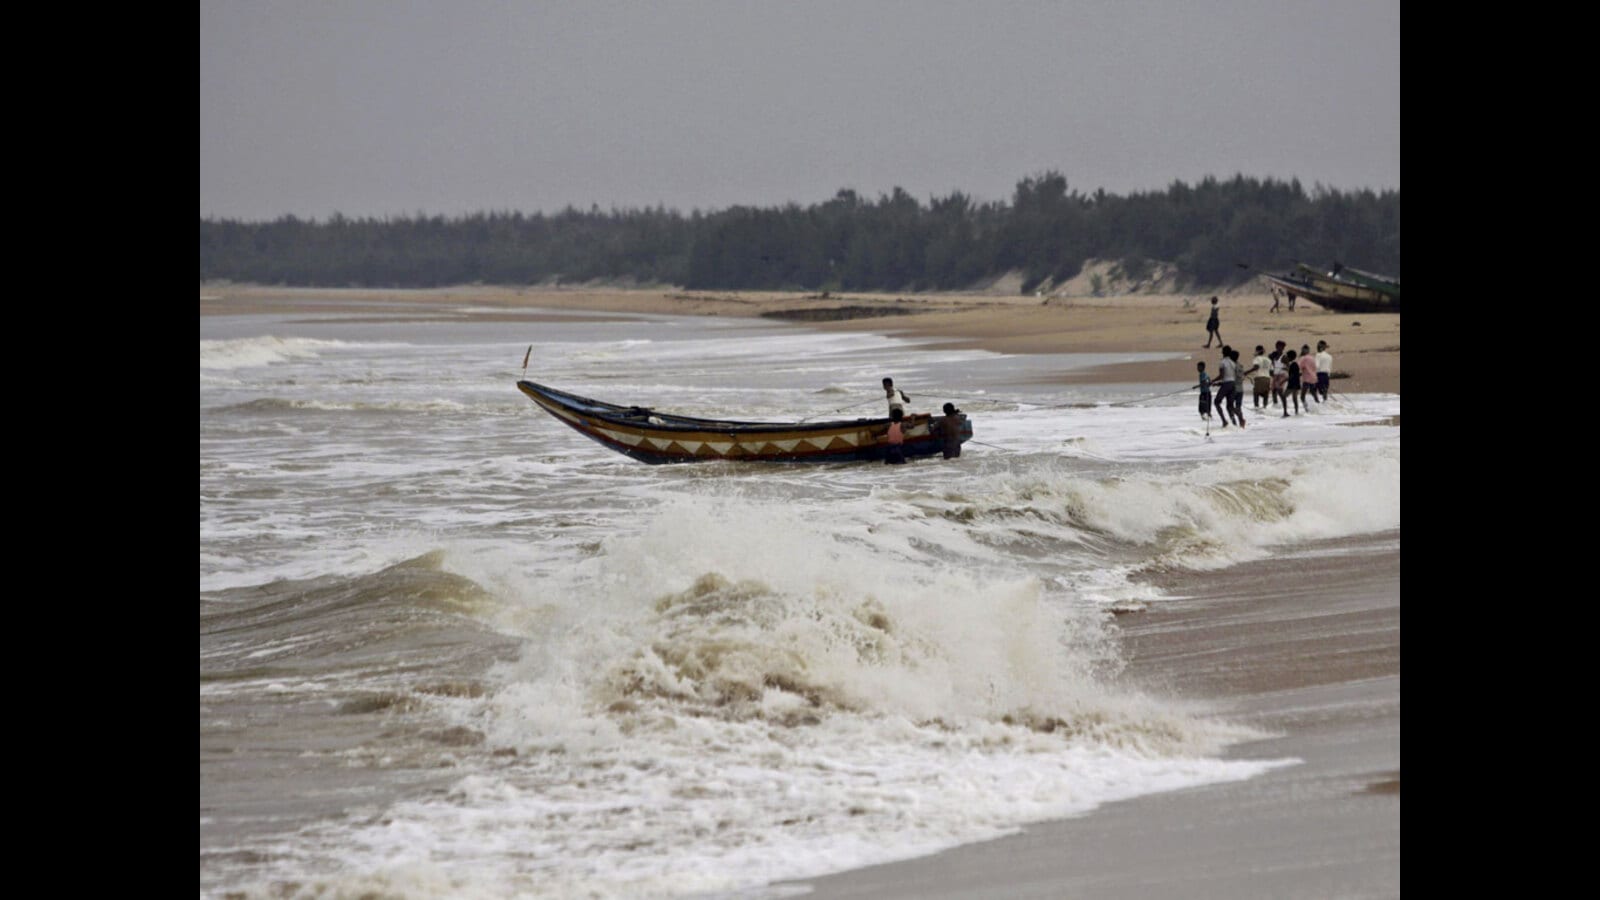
(842, 409)
(1336, 395)
(1077, 405)
(1074, 450)
(978, 399)
(1156, 396)
(1091, 455)
(1012, 401)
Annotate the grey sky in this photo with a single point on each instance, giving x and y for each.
(385, 107)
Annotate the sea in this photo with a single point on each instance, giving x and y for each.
(450, 647)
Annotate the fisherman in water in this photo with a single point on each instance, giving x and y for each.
(1205, 396)
(895, 453)
(951, 429)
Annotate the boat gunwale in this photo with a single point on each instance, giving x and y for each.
(637, 417)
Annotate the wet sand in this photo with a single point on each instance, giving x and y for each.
(1365, 346)
(1307, 649)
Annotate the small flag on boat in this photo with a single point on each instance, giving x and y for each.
(525, 358)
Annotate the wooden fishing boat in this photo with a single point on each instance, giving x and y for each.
(1383, 284)
(1332, 292)
(1350, 284)
(657, 437)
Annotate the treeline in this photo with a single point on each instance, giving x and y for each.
(848, 243)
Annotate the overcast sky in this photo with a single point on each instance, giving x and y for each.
(388, 107)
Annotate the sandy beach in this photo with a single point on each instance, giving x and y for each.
(1305, 648)
(1365, 346)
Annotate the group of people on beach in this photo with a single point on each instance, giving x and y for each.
(950, 429)
(1277, 378)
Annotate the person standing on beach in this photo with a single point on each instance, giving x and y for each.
(1261, 375)
(1236, 402)
(1276, 356)
(896, 397)
(1276, 299)
(1308, 375)
(1324, 369)
(1280, 379)
(1292, 386)
(1227, 372)
(1213, 325)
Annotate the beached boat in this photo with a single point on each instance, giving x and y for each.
(1383, 284)
(657, 437)
(1333, 291)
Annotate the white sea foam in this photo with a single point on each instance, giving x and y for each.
(258, 351)
(1203, 515)
(676, 823)
(711, 716)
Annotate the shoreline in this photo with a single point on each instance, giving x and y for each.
(1318, 669)
(1365, 346)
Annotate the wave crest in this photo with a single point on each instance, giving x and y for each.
(259, 351)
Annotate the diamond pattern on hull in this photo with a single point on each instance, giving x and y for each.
(621, 437)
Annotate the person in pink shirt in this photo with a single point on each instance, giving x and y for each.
(1308, 374)
(895, 454)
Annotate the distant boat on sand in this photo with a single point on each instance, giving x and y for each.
(1342, 288)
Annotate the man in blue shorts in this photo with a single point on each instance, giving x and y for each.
(1227, 385)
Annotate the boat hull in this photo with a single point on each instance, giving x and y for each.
(659, 438)
(1339, 296)
(1383, 284)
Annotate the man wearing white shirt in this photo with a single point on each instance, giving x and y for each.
(896, 397)
(1261, 369)
(1227, 389)
(1324, 368)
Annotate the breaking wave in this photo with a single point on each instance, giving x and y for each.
(259, 351)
